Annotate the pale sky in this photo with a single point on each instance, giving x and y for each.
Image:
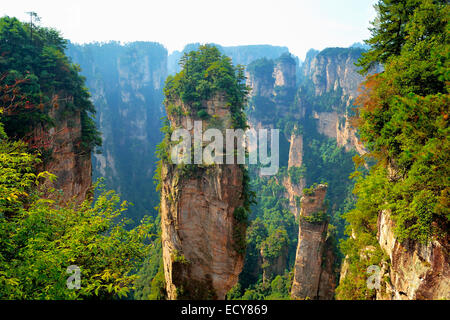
(297, 24)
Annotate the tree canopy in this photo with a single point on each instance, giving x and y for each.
(402, 116)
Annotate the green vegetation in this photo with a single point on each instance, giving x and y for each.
(275, 245)
(129, 107)
(262, 69)
(45, 78)
(316, 217)
(206, 72)
(403, 119)
(40, 238)
(274, 230)
(296, 173)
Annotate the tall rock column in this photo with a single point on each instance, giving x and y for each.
(295, 182)
(201, 238)
(204, 206)
(313, 254)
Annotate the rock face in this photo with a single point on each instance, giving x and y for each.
(337, 126)
(294, 188)
(284, 72)
(68, 159)
(334, 80)
(126, 84)
(334, 68)
(201, 239)
(416, 271)
(313, 272)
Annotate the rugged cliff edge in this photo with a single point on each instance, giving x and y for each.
(414, 270)
(313, 272)
(332, 81)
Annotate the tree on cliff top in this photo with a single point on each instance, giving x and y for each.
(204, 73)
(50, 79)
(389, 31)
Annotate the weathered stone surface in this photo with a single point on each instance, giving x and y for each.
(337, 126)
(416, 271)
(68, 160)
(201, 239)
(310, 280)
(284, 73)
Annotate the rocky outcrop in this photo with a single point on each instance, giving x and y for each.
(203, 242)
(65, 156)
(295, 150)
(313, 271)
(273, 85)
(294, 188)
(333, 81)
(337, 126)
(293, 193)
(414, 270)
(260, 86)
(334, 68)
(284, 72)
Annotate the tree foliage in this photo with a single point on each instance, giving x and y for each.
(39, 238)
(402, 117)
(38, 67)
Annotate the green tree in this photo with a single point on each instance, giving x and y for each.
(402, 117)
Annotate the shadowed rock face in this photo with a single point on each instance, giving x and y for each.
(313, 271)
(201, 239)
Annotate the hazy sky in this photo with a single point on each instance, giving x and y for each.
(297, 24)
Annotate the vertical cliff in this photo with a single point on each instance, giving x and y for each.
(200, 234)
(293, 182)
(204, 207)
(126, 83)
(331, 81)
(413, 270)
(66, 157)
(46, 104)
(313, 271)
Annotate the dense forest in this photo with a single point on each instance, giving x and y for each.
(86, 183)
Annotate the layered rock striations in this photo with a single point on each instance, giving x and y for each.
(313, 271)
